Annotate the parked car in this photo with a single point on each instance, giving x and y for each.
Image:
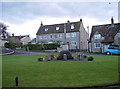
(112, 50)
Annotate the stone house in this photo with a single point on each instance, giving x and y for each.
(71, 33)
(24, 39)
(103, 36)
(33, 41)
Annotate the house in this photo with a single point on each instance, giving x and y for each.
(71, 33)
(33, 41)
(24, 39)
(103, 36)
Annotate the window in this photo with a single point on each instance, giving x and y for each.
(97, 36)
(60, 35)
(97, 44)
(45, 37)
(57, 28)
(50, 36)
(72, 26)
(55, 36)
(67, 35)
(73, 34)
(74, 43)
(46, 29)
(41, 37)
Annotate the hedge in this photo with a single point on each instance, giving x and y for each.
(13, 45)
(43, 46)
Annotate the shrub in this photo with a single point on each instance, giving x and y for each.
(90, 58)
(13, 45)
(40, 59)
(84, 56)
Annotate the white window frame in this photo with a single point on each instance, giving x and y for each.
(97, 44)
(46, 29)
(73, 43)
(67, 35)
(57, 28)
(97, 36)
(73, 34)
(72, 26)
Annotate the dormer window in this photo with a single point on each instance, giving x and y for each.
(46, 29)
(97, 36)
(72, 26)
(57, 28)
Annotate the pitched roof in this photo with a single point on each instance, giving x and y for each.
(52, 28)
(108, 31)
(20, 37)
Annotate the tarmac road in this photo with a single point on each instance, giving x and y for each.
(22, 52)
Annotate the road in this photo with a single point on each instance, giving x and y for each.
(22, 52)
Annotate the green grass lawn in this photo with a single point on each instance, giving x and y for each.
(102, 71)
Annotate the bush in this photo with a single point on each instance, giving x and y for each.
(84, 56)
(40, 59)
(12, 45)
(90, 58)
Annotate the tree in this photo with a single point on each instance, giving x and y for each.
(3, 30)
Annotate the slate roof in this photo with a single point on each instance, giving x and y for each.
(108, 31)
(52, 28)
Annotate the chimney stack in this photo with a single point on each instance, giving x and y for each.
(80, 20)
(112, 20)
(41, 23)
(68, 21)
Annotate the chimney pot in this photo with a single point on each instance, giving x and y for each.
(68, 21)
(41, 23)
(112, 20)
(80, 20)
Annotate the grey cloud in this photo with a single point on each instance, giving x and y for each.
(18, 12)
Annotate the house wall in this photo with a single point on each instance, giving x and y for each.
(93, 49)
(25, 40)
(117, 39)
(84, 36)
(73, 39)
(60, 38)
(46, 38)
(92, 45)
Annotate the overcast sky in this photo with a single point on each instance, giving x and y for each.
(24, 18)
